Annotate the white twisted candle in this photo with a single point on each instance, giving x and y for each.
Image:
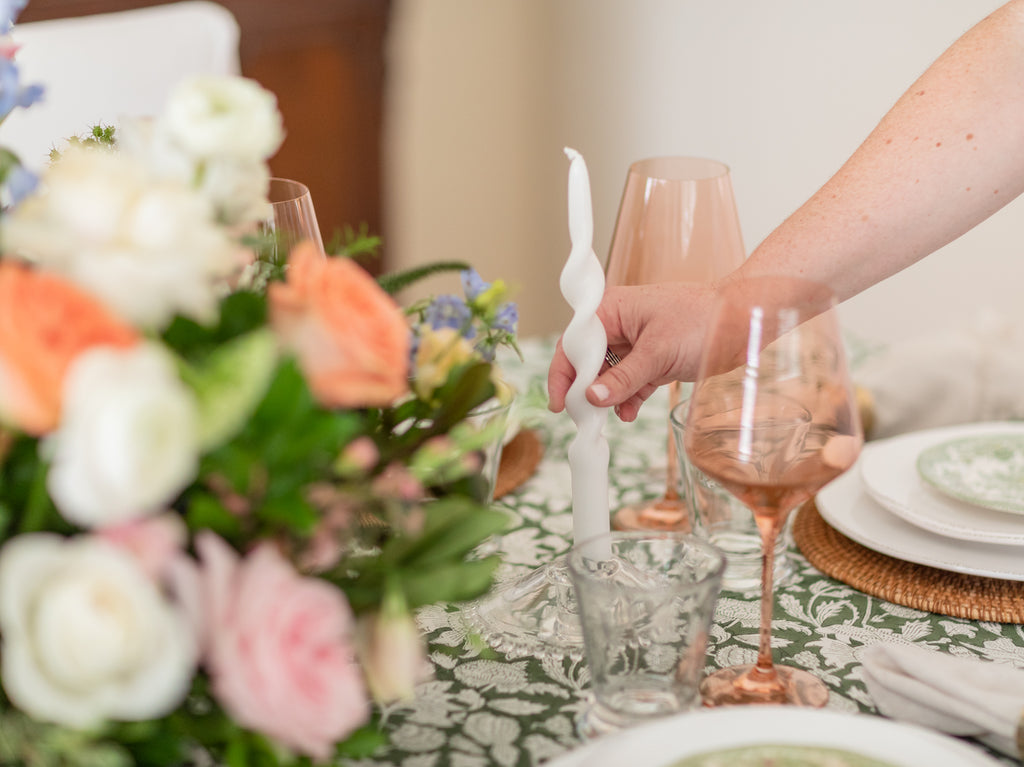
(584, 343)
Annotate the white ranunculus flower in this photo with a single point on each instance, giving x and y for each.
(128, 441)
(236, 188)
(223, 116)
(148, 248)
(87, 637)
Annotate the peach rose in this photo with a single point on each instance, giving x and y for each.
(45, 322)
(350, 337)
(277, 646)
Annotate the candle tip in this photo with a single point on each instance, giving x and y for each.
(571, 153)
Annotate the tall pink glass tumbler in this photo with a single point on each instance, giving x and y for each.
(677, 221)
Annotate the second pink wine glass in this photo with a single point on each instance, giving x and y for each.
(677, 221)
(773, 419)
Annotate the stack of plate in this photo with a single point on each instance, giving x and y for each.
(950, 498)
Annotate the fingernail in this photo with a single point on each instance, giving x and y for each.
(600, 391)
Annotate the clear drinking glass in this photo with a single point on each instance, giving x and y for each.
(677, 221)
(292, 217)
(646, 601)
(723, 519)
(772, 418)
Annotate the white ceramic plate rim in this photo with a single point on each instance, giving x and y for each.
(978, 496)
(845, 504)
(889, 470)
(665, 741)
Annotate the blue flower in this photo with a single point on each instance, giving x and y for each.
(507, 318)
(21, 182)
(12, 93)
(473, 284)
(450, 312)
(9, 10)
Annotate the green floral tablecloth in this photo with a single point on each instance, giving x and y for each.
(482, 708)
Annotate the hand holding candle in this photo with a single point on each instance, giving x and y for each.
(584, 343)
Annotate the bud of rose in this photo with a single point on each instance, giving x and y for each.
(358, 457)
(396, 481)
(391, 650)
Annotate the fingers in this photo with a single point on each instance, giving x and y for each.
(629, 379)
(561, 374)
(628, 410)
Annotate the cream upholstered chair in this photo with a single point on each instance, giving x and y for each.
(104, 67)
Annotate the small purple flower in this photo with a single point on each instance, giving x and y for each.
(12, 92)
(9, 10)
(21, 182)
(507, 318)
(450, 312)
(473, 284)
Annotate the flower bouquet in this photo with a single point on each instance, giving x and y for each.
(225, 483)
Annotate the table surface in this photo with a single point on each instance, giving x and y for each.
(483, 708)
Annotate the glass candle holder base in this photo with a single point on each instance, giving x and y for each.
(534, 615)
(740, 685)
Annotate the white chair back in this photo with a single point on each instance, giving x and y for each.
(105, 67)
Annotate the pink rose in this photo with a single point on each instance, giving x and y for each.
(277, 647)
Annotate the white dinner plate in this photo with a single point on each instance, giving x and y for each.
(889, 470)
(846, 505)
(665, 741)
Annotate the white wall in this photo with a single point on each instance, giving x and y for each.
(484, 95)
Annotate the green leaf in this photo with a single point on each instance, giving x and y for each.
(455, 582)
(458, 397)
(164, 748)
(229, 383)
(362, 743)
(237, 753)
(458, 534)
(206, 512)
(454, 527)
(466, 388)
(290, 511)
(240, 313)
(351, 243)
(396, 281)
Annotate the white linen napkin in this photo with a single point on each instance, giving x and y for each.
(961, 696)
(974, 373)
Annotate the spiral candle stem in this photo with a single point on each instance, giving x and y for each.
(584, 343)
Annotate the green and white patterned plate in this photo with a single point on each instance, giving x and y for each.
(985, 469)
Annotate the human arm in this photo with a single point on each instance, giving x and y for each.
(946, 156)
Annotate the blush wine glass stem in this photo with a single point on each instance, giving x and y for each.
(769, 526)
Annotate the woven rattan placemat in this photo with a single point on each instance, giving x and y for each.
(905, 583)
(519, 459)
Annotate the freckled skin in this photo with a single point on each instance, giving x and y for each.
(904, 193)
(900, 196)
